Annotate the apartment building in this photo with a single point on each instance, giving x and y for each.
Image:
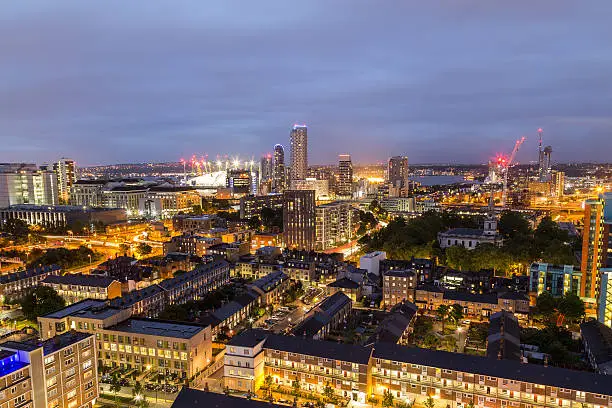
(334, 224)
(166, 201)
(410, 374)
(15, 380)
(59, 373)
(303, 271)
(192, 244)
(397, 326)
(456, 380)
(271, 287)
(430, 297)
(269, 239)
(250, 268)
(331, 314)
(398, 286)
(347, 286)
(190, 398)
(315, 364)
(16, 285)
(76, 287)
(165, 347)
(193, 285)
(87, 316)
(146, 302)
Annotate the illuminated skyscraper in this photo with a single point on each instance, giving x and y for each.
(397, 172)
(279, 182)
(345, 175)
(65, 169)
(299, 152)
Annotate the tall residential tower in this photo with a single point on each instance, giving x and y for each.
(279, 182)
(299, 152)
(345, 176)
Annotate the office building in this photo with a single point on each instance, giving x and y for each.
(344, 187)
(76, 287)
(22, 183)
(299, 152)
(65, 170)
(63, 215)
(88, 193)
(127, 197)
(398, 286)
(399, 204)
(167, 201)
(334, 224)
(279, 179)
(595, 240)
(299, 219)
(397, 172)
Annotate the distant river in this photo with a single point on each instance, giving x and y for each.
(440, 180)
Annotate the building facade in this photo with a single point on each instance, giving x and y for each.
(299, 152)
(334, 224)
(65, 170)
(299, 217)
(398, 286)
(76, 287)
(344, 187)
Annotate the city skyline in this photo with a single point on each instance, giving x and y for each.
(106, 85)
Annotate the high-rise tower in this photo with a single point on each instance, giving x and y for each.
(345, 175)
(299, 219)
(397, 171)
(65, 169)
(279, 182)
(595, 244)
(299, 152)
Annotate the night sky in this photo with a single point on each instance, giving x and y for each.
(440, 81)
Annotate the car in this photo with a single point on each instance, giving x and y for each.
(282, 401)
(465, 322)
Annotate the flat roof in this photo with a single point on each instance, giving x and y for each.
(155, 327)
(508, 369)
(73, 308)
(49, 346)
(190, 398)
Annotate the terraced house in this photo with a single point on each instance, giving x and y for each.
(453, 380)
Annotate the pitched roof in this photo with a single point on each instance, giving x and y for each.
(95, 281)
(471, 297)
(512, 370)
(345, 283)
(319, 348)
(598, 338)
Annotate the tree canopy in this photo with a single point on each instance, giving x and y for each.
(41, 301)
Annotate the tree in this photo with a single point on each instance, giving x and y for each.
(254, 223)
(124, 248)
(197, 210)
(456, 313)
(295, 385)
(572, 307)
(387, 400)
(115, 387)
(137, 389)
(546, 305)
(442, 312)
(429, 402)
(144, 249)
(431, 341)
(268, 381)
(328, 392)
(41, 301)
(458, 257)
(512, 224)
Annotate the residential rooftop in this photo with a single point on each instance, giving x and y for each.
(156, 327)
(507, 369)
(96, 281)
(191, 398)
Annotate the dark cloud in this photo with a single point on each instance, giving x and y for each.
(116, 81)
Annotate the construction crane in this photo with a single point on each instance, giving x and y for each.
(507, 165)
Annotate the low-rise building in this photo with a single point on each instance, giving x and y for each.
(398, 286)
(371, 261)
(332, 313)
(397, 326)
(554, 279)
(269, 239)
(423, 267)
(194, 224)
(14, 286)
(190, 398)
(303, 271)
(62, 216)
(75, 287)
(191, 244)
(504, 339)
(347, 286)
(165, 347)
(193, 285)
(166, 201)
(597, 343)
(271, 287)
